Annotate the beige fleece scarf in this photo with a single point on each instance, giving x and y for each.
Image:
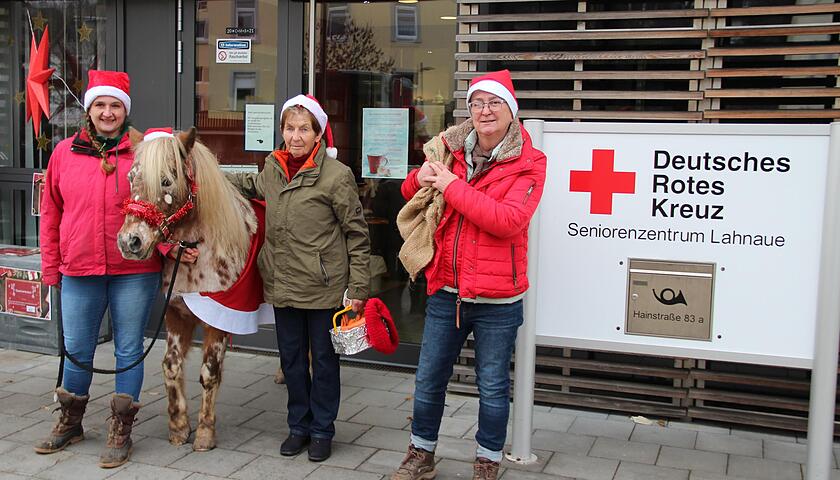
(420, 216)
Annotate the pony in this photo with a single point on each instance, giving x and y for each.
(178, 192)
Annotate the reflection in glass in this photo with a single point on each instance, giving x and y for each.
(222, 89)
(386, 55)
(76, 45)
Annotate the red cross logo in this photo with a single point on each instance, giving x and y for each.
(602, 181)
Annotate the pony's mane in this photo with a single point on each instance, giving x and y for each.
(218, 204)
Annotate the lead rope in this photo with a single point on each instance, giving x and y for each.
(90, 368)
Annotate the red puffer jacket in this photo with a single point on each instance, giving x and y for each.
(481, 243)
(80, 212)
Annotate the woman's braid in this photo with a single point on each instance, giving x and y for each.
(91, 133)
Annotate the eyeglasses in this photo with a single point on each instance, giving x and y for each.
(495, 106)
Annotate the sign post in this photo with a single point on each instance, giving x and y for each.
(824, 371)
(525, 357)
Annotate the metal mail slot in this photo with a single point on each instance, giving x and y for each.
(670, 299)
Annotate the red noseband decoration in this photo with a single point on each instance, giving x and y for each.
(153, 217)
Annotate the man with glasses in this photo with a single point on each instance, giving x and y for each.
(477, 276)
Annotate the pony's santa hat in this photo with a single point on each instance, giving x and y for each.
(108, 83)
(154, 133)
(497, 83)
(314, 107)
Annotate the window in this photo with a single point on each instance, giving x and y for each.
(245, 13)
(406, 27)
(337, 19)
(201, 31)
(201, 74)
(244, 88)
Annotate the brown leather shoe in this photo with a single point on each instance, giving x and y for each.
(418, 464)
(68, 429)
(485, 469)
(118, 444)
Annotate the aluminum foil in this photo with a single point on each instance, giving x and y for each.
(350, 342)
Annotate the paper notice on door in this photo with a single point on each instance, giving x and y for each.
(38, 183)
(259, 127)
(233, 50)
(384, 142)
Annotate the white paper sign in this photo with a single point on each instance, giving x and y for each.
(233, 50)
(384, 142)
(746, 198)
(259, 127)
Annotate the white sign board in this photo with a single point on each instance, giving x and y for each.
(233, 50)
(259, 127)
(747, 198)
(384, 142)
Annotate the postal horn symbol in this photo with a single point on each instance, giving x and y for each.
(668, 297)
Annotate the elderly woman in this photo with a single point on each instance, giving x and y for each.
(316, 246)
(477, 276)
(86, 184)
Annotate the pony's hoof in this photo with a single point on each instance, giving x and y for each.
(204, 443)
(279, 378)
(179, 438)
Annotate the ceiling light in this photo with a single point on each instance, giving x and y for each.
(448, 17)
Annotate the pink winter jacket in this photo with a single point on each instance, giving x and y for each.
(481, 243)
(80, 212)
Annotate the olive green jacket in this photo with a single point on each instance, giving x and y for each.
(316, 237)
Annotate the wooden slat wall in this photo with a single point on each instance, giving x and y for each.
(691, 60)
(663, 388)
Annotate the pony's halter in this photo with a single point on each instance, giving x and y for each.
(151, 214)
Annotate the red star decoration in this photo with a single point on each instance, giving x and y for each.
(37, 87)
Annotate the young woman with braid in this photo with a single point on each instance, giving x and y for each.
(86, 184)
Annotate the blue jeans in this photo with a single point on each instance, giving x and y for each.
(83, 303)
(313, 401)
(494, 328)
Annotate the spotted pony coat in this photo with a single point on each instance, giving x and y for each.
(222, 222)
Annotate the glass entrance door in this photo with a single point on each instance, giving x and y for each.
(384, 72)
(77, 43)
(383, 58)
(236, 50)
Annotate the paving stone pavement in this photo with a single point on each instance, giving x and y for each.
(371, 433)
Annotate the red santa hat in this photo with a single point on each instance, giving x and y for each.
(154, 133)
(497, 83)
(108, 83)
(311, 103)
(381, 330)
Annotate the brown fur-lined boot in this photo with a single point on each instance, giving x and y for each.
(68, 429)
(118, 445)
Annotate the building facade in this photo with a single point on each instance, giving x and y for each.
(684, 61)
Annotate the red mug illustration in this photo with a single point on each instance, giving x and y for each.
(376, 161)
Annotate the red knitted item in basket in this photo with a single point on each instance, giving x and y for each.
(382, 333)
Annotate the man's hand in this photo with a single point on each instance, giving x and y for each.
(425, 171)
(190, 255)
(441, 178)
